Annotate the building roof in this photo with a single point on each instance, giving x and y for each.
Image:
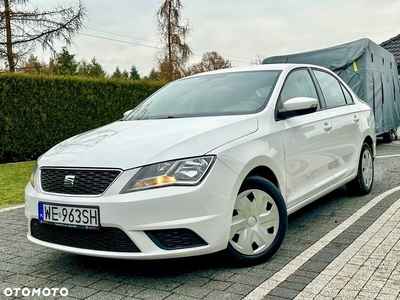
(393, 46)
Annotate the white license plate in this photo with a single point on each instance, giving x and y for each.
(85, 217)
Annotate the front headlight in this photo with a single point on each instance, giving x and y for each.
(33, 175)
(178, 172)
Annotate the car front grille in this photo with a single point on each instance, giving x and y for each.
(172, 239)
(77, 181)
(104, 239)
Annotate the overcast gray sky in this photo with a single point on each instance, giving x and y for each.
(122, 32)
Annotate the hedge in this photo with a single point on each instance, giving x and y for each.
(37, 112)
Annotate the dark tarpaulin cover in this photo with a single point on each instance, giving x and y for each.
(370, 70)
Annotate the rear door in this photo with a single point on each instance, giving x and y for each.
(344, 136)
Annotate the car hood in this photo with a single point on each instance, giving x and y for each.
(129, 144)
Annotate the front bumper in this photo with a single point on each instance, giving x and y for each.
(165, 222)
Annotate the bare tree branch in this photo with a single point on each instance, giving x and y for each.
(175, 52)
(24, 25)
(210, 61)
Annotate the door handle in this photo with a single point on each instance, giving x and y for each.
(327, 126)
(356, 118)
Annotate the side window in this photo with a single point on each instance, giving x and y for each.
(347, 95)
(331, 89)
(298, 84)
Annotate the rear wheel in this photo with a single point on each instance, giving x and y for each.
(389, 136)
(393, 133)
(362, 184)
(259, 222)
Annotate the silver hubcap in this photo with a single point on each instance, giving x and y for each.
(255, 222)
(367, 168)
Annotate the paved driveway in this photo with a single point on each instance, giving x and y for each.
(319, 239)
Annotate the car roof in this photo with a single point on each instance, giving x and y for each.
(266, 67)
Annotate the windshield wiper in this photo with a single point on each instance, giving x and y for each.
(167, 117)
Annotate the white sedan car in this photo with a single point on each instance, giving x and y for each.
(211, 162)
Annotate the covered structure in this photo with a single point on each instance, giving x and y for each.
(370, 70)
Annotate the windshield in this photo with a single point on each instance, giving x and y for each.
(209, 95)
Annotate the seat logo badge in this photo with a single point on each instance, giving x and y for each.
(69, 181)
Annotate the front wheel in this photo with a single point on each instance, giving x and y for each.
(362, 184)
(259, 222)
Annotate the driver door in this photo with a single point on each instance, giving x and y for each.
(305, 140)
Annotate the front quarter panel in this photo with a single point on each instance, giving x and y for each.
(260, 149)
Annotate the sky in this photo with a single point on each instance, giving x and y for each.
(122, 33)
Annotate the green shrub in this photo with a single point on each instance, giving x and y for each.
(37, 112)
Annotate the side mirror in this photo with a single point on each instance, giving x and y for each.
(298, 106)
(300, 103)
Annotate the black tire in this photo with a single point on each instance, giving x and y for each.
(364, 180)
(388, 137)
(259, 222)
(393, 134)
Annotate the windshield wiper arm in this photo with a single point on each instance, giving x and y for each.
(167, 117)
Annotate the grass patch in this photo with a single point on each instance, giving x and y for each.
(13, 178)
